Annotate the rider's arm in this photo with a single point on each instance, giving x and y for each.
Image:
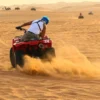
(25, 24)
(42, 34)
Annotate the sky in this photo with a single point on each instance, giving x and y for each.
(15, 2)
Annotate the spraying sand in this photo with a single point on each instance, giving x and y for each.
(69, 61)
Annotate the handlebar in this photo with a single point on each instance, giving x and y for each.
(21, 29)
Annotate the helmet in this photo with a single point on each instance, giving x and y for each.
(46, 19)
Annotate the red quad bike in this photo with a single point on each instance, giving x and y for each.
(34, 48)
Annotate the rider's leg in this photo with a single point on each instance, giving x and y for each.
(29, 35)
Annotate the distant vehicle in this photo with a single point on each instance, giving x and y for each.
(90, 13)
(33, 9)
(81, 16)
(17, 8)
(7, 8)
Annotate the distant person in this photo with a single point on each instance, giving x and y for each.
(36, 30)
(81, 16)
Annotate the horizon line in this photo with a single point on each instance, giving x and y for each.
(52, 3)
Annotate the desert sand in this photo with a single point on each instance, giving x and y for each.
(75, 72)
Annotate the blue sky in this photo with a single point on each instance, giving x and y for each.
(14, 2)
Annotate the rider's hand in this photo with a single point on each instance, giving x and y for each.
(18, 27)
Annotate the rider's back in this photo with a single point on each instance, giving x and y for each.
(36, 27)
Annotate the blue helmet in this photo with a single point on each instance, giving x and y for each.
(46, 19)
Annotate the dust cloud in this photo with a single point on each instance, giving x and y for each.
(68, 61)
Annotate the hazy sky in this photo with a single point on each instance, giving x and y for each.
(13, 2)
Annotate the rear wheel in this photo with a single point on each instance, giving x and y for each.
(19, 58)
(13, 58)
(49, 54)
(16, 58)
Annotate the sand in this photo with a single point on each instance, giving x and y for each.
(75, 72)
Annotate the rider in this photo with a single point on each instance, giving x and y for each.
(36, 30)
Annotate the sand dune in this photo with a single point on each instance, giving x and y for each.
(75, 72)
(58, 6)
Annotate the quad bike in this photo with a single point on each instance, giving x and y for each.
(41, 49)
(90, 13)
(80, 16)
